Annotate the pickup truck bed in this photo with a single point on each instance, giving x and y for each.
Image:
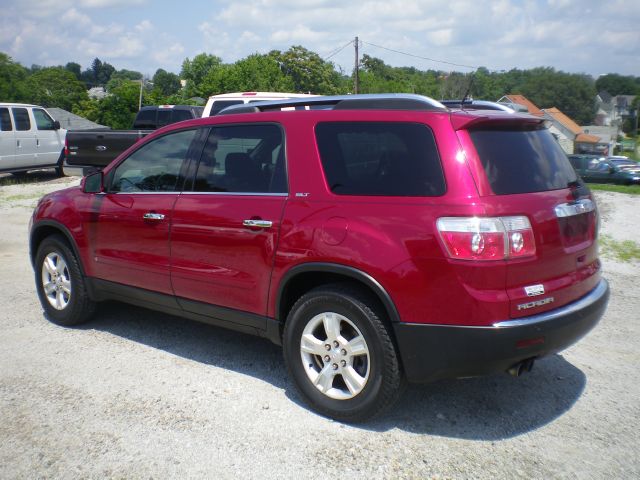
(89, 149)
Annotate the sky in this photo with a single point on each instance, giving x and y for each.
(578, 36)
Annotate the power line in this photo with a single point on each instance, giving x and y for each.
(338, 50)
(421, 57)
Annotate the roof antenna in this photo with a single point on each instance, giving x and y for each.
(466, 94)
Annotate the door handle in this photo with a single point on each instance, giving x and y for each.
(257, 223)
(153, 216)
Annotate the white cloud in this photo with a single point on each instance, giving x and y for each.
(298, 34)
(571, 35)
(144, 26)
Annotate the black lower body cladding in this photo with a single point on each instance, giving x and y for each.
(432, 352)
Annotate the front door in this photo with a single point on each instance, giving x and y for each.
(225, 230)
(130, 235)
(49, 141)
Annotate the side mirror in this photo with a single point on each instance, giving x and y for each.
(56, 125)
(92, 183)
(612, 169)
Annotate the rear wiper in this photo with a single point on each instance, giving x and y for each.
(575, 186)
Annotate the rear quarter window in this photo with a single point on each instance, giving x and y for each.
(521, 160)
(380, 158)
(5, 120)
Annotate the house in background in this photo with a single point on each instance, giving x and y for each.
(71, 121)
(569, 134)
(520, 103)
(578, 140)
(97, 93)
(608, 135)
(613, 110)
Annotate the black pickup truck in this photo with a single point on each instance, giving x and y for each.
(87, 150)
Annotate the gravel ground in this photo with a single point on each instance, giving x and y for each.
(138, 394)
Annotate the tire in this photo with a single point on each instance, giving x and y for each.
(340, 354)
(60, 284)
(59, 169)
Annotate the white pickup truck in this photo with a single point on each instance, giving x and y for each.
(216, 103)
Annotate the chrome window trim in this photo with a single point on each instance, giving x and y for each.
(247, 194)
(176, 192)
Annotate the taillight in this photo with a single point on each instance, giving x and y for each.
(66, 146)
(487, 238)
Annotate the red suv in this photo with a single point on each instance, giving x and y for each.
(378, 238)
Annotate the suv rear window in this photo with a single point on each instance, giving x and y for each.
(380, 158)
(522, 161)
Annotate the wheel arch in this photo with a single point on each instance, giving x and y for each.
(302, 278)
(46, 228)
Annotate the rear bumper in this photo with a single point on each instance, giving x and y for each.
(78, 170)
(431, 352)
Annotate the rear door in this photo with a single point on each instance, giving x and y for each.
(7, 139)
(225, 229)
(530, 175)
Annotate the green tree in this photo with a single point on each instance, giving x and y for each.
(125, 75)
(55, 87)
(573, 94)
(308, 71)
(98, 74)
(256, 72)
(618, 84)
(116, 110)
(166, 83)
(74, 68)
(378, 77)
(195, 71)
(12, 80)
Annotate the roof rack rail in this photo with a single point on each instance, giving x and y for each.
(384, 101)
(477, 105)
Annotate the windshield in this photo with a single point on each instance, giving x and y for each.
(518, 160)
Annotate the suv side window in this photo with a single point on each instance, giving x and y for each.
(154, 167)
(5, 120)
(380, 158)
(43, 121)
(242, 159)
(21, 119)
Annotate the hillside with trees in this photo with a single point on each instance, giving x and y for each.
(294, 70)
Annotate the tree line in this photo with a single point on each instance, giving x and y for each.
(294, 70)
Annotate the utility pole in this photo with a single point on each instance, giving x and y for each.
(356, 82)
(140, 98)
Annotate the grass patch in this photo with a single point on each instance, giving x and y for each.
(608, 187)
(11, 200)
(29, 196)
(625, 251)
